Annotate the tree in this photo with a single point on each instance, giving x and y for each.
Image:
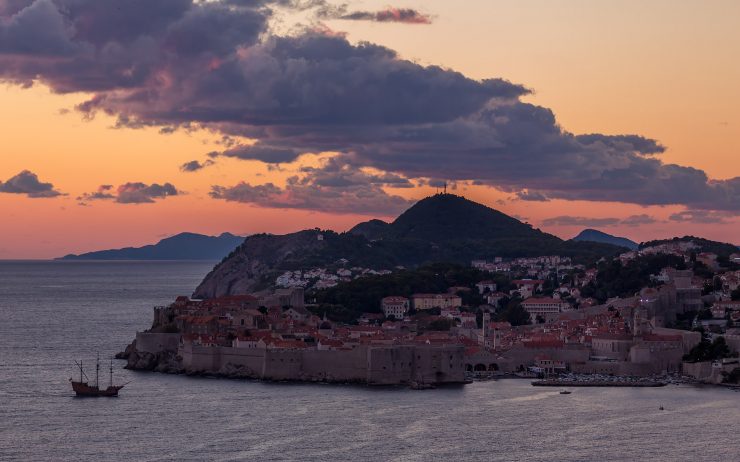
(440, 324)
(709, 351)
(514, 313)
(735, 295)
(732, 377)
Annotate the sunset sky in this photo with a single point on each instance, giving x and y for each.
(127, 121)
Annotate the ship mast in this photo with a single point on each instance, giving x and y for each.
(111, 371)
(97, 370)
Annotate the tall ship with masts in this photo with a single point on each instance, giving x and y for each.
(83, 388)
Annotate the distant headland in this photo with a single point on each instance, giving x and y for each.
(183, 246)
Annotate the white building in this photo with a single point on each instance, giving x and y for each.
(546, 308)
(395, 306)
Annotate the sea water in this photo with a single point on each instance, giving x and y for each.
(52, 313)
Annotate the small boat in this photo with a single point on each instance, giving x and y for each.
(661, 408)
(565, 392)
(83, 388)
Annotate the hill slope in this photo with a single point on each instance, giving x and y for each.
(440, 228)
(373, 229)
(723, 249)
(445, 217)
(594, 235)
(183, 246)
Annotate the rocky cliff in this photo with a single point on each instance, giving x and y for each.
(252, 266)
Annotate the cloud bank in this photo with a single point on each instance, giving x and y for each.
(567, 220)
(179, 63)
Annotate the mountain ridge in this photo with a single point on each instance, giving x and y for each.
(594, 235)
(182, 246)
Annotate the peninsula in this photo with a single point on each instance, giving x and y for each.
(183, 246)
(450, 291)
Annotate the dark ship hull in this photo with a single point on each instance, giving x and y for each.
(83, 389)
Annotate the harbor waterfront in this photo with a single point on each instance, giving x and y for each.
(52, 313)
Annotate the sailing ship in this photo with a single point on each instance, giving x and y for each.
(83, 388)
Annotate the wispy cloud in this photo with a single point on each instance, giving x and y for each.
(195, 165)
(390, 14)
(701, 216)
(565, 220)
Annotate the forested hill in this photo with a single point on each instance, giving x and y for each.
(440, 228)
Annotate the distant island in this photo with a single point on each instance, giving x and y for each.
(183, 246)
(594, 235)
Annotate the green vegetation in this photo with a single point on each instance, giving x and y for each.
(440, 325)
(347, 301)
(616, 280)
(735, 295)
(732, 377)
(709, 351)
(722, 249)
(513, 313)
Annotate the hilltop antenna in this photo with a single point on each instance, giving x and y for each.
(445, 187)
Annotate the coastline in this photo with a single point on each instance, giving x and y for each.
(331, 367)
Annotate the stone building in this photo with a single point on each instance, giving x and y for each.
(395, 306)
(429, 301)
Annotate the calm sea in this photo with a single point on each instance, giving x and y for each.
(52, 313)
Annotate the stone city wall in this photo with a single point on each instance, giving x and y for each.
(147, 342)
(380, 365)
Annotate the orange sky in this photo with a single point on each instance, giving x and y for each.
(663, 70)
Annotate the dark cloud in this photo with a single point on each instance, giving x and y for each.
(194, 165)
(132, 193)
(335, 173)
(532, 196)
(701, 217)
(579, 221)
(214, 65)
(308, 84)
(9, 8)
(28, 183)
(111, 45)
(390, 14)
(267, 154)
(335, 187)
